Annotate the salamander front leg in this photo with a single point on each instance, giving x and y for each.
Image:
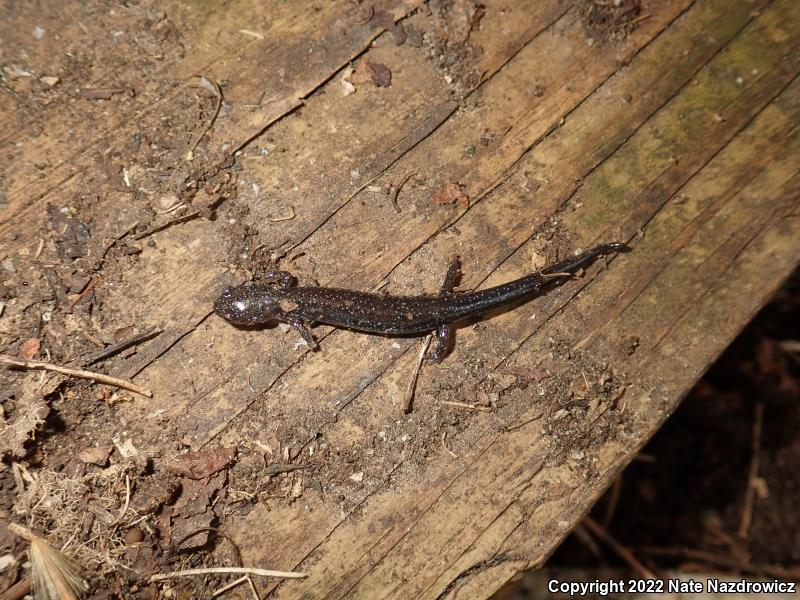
(284, 279)
(305, 332)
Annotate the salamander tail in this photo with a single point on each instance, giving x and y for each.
(583, 260)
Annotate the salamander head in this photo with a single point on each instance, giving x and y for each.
(249, 304)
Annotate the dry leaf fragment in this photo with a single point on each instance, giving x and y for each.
(361, 72)
(198, 465)
(153, 492)
(530, 373)
(451, 193)
(466, 15)
(385, 20)
(347, 87)
(418, 5)
(126, 448)
(32, 408)
(367, 71)
(29, 348)
(381, 75)
(194, 510)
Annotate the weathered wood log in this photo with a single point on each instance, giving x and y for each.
(681, 137)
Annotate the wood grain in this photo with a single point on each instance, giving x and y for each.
(681, 138)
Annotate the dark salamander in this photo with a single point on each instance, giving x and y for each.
(279, 300)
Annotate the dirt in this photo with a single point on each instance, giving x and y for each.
(449, 45)
(611, 21)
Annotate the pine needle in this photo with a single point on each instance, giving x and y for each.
(55, 575)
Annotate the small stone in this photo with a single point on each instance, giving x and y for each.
(134, 535)
(49, 80)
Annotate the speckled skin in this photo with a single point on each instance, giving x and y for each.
(278, 300)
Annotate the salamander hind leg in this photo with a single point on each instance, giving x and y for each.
(444, 340)
(444, 334)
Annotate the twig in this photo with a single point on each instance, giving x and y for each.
(554, 275)
(638, 19)
(80, 373)
(586, 382)
(270, 248)
(103, 93)
(379, 285)
(210, 124)
(127, 501)
(444, 445)
(230, 586)
(182, 219)
(253, 588)
(224, 570)
(120, 346)
(584, 537)
(113, 241)
(277, 469)
(370, 14)
(466, 405)
(173, 208)
(790, 346)
(89, 287)
(291, 215)
(156, 228)
(412, 385)
(255, 34)
(752, 476)
(617, 547)
(725, 563)
(19, 590)
(394, 190)
(613, 500)
(522, 424)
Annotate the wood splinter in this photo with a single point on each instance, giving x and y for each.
(227, 570)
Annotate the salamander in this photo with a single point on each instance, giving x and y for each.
(278, 298)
